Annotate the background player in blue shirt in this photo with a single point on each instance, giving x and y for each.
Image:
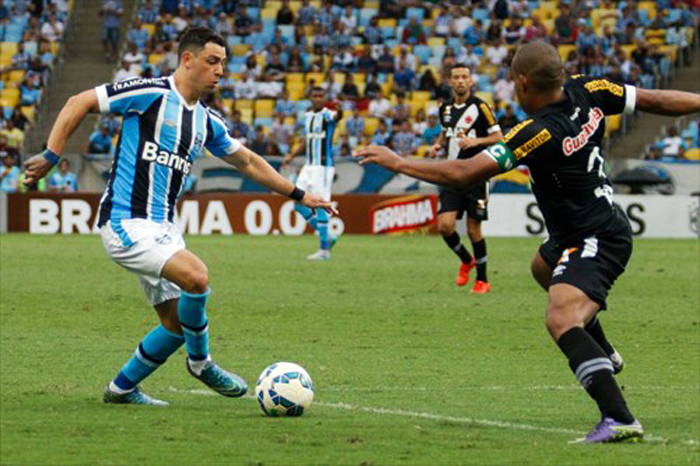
(63, 181)
(316, 176)
(166, 127)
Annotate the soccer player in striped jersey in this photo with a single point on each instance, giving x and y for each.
(590, 239)
(317, 174)
(166, 128)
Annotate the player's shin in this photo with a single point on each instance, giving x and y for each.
(308, 215)
(323, 229)
(594, 370)
(193, 319)
(453, 242)
(151, 353)
(480, 258)
(595, 330)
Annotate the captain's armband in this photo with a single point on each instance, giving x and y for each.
(502, 155)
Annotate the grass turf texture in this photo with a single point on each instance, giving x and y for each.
(380, 326)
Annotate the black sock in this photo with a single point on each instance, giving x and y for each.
(595, 330)
(456, 245)
(480, 257)
(594, 370)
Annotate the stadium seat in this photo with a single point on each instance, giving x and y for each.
(423, 52)
(371, 125)
(264, 108)
(486, 97)
(565, 50)
(612, 124)
(242, 104)
(317, 77)
(240, 49)
(433, 41)
(15, 76)
(693, 154)
(247, 115)
(421, 96)
(414, 12)
(150, 28)
(28, 111)
(11, 94)
(8, 48)
(296, 90)
(155, 58)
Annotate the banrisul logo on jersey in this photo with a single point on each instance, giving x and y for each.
(404, 215)
(152, 154)
(571, 145)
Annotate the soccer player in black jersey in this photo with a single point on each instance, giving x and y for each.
(590, 239)
(468, 127)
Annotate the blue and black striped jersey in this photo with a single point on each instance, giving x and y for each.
(161, 137)
(318, 130)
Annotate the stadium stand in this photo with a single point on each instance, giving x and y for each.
(678, 143)
(393, 47)
(31, 34)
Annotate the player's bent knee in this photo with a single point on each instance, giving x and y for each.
(446, 228)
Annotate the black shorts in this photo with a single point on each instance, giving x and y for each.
(592, 265)
(474, 201)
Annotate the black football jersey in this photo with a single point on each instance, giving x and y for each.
(562, 146)
(474, 118)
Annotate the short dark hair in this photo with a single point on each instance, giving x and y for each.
(318, 89)
(459, 65)
(194, 39)
(542, 65)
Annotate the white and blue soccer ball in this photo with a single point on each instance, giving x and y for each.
(284, 389)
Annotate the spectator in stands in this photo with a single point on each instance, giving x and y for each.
(63, 180)
(279, 40)
(245, 87)
(148, 12)
(385, 62)
(494, 33)
(4, 11)
(169, 6)
(300, 39)
(391, 9)
(282, 133)
(295, 62)
(514, 33)
(340, 39)
(672, 145)
(258, 40)
(518, 8)
(461, 21)
(504, 88)
(181, 21)
(365, 62)
(134, 59)
(355, 127)
(475, 34)
(379, 107)
(420, 123)
(275, 71)
(349, 91)
(113, 124)
(322, 39)
(19, 120)
(223, 25)
(343, 60)
(238, 126)
(372, 89)
(509, 120)
(402, 110)
(372, 34)
(111, 11)
(349, 20)
(331, 87)
(284, 107)
(252, 67)
(125, 72)
(413, 33)
(137, 34)
(259, 142)
(243, 23)
(405, 55)
(497, 54)
(441, 25)
(404, 142)
(535, 31)
(607, 41)
(21, 59)
(433, 130)
(9, 174)
(30, 95)
(563, 31)
(285, 15)
(587, 39)
(470, 58)
(382, 136)
(307, 13)
(100, 142)
(52, 30)
(427, 81)
(6, 150)
(654, 153)
(272, 148)
(404, 77)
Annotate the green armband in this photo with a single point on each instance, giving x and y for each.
(502, 155)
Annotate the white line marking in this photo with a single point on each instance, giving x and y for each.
(576, 387)
(438, 417)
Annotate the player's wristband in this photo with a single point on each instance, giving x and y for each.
(297, 194)
(52, 157)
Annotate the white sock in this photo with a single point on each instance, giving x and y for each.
(119, 391)
(197, 366)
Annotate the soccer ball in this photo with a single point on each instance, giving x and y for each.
(284, 389)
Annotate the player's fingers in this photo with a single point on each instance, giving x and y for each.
(28, 180)
(330, 209)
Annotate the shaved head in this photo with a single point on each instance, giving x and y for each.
(540, 64)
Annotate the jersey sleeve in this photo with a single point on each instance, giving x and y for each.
(525, 141)
(131, 95)
(330, 115)
(491, 124)
(218, 142)
(612, 98)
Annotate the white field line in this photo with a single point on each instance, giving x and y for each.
(438, 417)
(352, 388)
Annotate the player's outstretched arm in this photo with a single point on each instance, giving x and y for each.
(667, 102)
(299, 150)
(72, 114)
(257, 169)
(445, 172)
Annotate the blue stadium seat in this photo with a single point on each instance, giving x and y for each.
(264, 122)
(287, 30)
(388, 33)
(423, 52)
(415, 12)
(234, 40)
(438, 50)
(365, 16)
(254, 13)
(481, 14)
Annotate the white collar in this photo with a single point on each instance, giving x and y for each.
(171, 79)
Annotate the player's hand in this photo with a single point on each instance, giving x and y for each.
(315, 201)
(35, 168)
(465, 142)
(380, 155)
(434, 150)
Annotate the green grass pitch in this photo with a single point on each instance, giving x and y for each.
(408, 368)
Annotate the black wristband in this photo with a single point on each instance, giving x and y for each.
(297, 194)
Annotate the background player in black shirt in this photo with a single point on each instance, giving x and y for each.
(468, 127)
(590, 239)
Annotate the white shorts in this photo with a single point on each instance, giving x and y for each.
(316, 180)
(143, 247)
